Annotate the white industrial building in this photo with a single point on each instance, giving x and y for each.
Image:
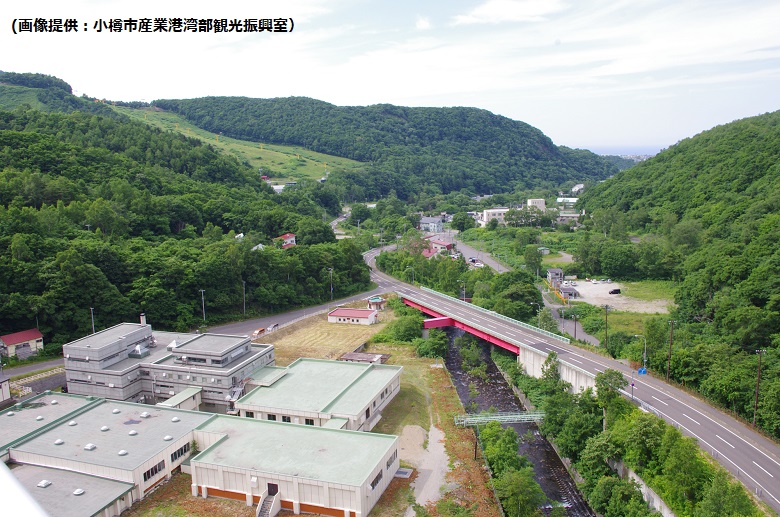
(132, 362)
(293, 467)
(80, 456)
(333, 394)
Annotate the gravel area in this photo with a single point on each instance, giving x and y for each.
(598, 294)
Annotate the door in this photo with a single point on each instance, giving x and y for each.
(273, 489)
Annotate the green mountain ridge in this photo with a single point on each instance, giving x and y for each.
(409, 150)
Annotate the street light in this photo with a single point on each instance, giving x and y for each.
(760, 352)
(330, 270)
(538, 313)
(463, 289)
(410, 267)
(606, 326)
(243, 282)
(669, 358)
(92, 313)
(203, 303)
(644, 355)
(574, 317)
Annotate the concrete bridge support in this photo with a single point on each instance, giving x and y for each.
(531, 361)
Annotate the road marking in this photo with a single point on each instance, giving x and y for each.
(727, 443)
(691, 419)
(659, 400)
(762, 468)
(576, 361)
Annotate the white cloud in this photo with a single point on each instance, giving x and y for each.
(423, 23)
(498, 11)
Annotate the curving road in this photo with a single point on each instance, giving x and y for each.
(752, 458)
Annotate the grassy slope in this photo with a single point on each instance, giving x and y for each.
(11, 97)
(282, 163)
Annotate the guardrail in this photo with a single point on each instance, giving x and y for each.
(501, 316)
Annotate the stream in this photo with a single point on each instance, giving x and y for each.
(496, 394)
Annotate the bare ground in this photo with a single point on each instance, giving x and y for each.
(598, 294)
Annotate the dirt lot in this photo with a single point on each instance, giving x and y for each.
(598, 294)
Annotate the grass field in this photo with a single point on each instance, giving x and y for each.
(651, 289)
(11, 97)
(281, 163)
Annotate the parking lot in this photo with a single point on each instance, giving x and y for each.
(598, 294)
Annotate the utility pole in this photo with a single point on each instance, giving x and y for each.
(92, 313)
(758, 381)
(644, 355)
(203, 303)
(606, 326)
(330, 270)
(574, 317)
(671, 340)
(243, 282)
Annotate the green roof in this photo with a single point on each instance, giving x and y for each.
(332, 455)
(323, 386)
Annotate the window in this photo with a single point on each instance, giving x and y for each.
(375, 404)
(392, 458)
(368, 412)
(286, 419)
(149, 474)
(180, 452)
(250, 414)
(309, 421)
(271, 417)
(376, 480)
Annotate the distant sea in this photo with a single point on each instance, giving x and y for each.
(625, 151)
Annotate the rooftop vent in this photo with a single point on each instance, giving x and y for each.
(78, 491)
(39, 417)
(167, 438)
(122, 452)
(175, 419)
(90, 447)
(44, 483)
(54, 402)
(72, 423)
(59, 441)
(105, 428)
(145, 414)
(116, 411)
(10, 413)
(133, 432)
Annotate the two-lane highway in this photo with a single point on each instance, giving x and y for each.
(751, 457)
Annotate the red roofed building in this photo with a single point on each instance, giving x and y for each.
(21, 344)
(288, 240)
(353, 316)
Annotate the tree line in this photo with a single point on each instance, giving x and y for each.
(115, 216)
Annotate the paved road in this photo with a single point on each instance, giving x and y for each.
(751, 457)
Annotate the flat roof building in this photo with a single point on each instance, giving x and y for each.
(314, 392)
(301, 468)
(132, 362)
(355, 316)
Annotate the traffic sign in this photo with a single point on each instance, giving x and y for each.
(642, 371)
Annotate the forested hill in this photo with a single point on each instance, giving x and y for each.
(716, 198)
(46, 93)
(408, 149)
(122, 218)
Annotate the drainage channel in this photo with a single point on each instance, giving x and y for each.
(495, 394)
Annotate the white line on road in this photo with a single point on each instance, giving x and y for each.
(574, 360)
(691, 419)
(727, 443)
(659, 400)
(762, 468)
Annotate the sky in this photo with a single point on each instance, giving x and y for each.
(615, 77)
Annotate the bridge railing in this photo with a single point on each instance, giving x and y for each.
(493, 313)
(504, 418)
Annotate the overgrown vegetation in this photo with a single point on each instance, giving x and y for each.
(672, 465)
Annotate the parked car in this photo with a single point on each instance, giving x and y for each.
(257, 333)
(615, 291)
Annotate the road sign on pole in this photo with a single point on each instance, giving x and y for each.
(642, 371)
